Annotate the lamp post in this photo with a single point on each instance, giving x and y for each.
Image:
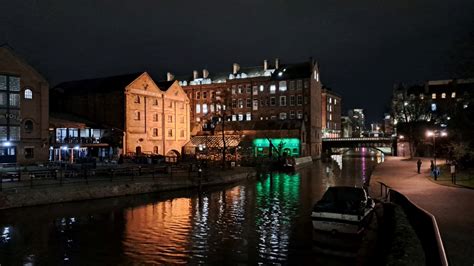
(434, 134)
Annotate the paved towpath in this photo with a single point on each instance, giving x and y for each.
(453, 207)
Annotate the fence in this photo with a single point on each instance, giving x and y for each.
(424, 224)
(18, 179)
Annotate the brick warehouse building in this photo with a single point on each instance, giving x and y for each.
(278, 92)
(23, 111)
(151, 118)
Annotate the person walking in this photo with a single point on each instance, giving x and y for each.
(453, 173)
(432, 168)
(418, 165)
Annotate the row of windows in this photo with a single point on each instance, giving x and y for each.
(282, 116)
(443, 95)
(12, 84)
(156, 133)
(272, 101)
(330, 100)
(156, 117)
(248, 89)
(156, 102)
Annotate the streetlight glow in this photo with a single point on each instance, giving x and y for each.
(429, 133)
(444, 134)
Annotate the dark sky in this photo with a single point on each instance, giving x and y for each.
(363, 47)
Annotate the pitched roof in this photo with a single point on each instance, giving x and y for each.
(100, 84)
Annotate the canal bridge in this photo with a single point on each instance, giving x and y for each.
(386, 145)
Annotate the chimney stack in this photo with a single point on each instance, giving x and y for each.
(277, 63)
(195, 74)
(169, 76)
(235, 68)
(265, 65)
(205, 73)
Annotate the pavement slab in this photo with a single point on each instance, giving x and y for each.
(453, 207)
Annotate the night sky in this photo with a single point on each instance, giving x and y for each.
(363, 47)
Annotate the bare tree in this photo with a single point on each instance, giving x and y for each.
(412, 115)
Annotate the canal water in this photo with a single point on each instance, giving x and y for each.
(263, 221)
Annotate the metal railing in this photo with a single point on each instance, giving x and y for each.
(424, 224)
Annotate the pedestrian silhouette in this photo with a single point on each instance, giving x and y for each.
(418, 165)
(453, 173)
(432, 168)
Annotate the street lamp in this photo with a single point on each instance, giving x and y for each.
(434, 134)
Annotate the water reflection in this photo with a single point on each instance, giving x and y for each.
(264, 221)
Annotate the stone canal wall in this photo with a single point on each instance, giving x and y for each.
(78, 192)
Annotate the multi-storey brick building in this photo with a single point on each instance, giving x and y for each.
(23, 111)
(152, 117)
(330, 113)
(280, 92)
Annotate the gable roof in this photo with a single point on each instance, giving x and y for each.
(9, 50)
(104, 84)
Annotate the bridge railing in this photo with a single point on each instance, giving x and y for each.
(358, 139)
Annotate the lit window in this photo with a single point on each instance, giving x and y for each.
(255, 90)
(282, 86)
(433, 96)
(261, 88)
(255, 105)
(198, 108)
(198, 119)
(330, 117)
(28, 94)
(282, 116)
(241, 117)
(335, 101)
(443, 95)
(241, 103)
(453, 94)
(282, 100)
(234, 118)
(422, 96)
(248, 117)
(433, 107)
(14, 100)
(272, 89)
(204, 108)
(330, 100)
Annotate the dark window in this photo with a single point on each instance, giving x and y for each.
(29, 153)
(28, 126)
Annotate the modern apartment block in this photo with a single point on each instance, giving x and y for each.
(330, 113)
(24, 111)
(263, 93)
(151, 118)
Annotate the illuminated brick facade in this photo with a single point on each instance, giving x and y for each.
(330, 114)
(153, 118)
(280, 92)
